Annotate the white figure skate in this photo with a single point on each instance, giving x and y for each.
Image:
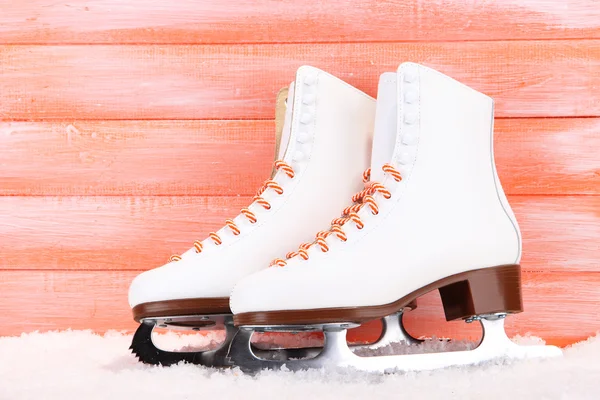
(434, 216)
(327, 138)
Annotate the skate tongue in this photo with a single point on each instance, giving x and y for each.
(287, 123)
(280, 111)
(384, 137)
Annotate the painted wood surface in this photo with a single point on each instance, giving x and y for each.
(560, 233)
(142, 158)
(251, 21)
(560, 307)
(103, 233)
(129, 129)
(136, 157)
(526, 78)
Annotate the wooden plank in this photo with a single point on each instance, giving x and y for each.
(561, 233)
(206, 21)
(560, 307)
(527, 79)
(142, 158)
(548, 156)
(135, 157)
(102, 233)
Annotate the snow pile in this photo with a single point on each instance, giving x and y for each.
(82, 365)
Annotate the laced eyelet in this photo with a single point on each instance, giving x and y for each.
(234, 228)
(268, 184)
(216, 238)
(350, 215)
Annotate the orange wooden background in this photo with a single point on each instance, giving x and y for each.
(129, 129)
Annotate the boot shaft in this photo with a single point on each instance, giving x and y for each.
(445, 214)
(326, 142)
(444, 152)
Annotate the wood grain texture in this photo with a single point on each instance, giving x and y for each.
(207, 21)
(208, 158)
(559, 233)
(137, 233)
(135, 157)
(548, 156)
(560, 307)
(129, 129)
(526, 78)
(103, 233)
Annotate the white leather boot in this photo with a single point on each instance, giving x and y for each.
(327, 138)
(433, 216)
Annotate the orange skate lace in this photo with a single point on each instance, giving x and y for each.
(350, 213)
(268, 184)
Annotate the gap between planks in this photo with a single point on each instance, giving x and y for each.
(250, 119)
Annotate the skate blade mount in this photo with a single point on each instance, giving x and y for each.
(145, 350)
(142, 346)
(336, 354)
(392, 332)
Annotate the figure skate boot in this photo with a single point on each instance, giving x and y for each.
(433, 217)
(327, 137)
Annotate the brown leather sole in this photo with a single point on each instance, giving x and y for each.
(481, 291)
(173, 308)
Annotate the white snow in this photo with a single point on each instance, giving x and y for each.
(83, 365)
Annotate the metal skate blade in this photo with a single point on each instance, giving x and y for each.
(337, 355)
(148, 352)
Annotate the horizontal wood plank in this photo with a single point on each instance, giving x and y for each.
(548, 156)
(105, 232)
(207, 21)
(143, 158)
(560, 307)
(559, 233)
(527, 79)
(135, 157)
(136, 233)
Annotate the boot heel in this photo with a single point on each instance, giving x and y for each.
(483, 291)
